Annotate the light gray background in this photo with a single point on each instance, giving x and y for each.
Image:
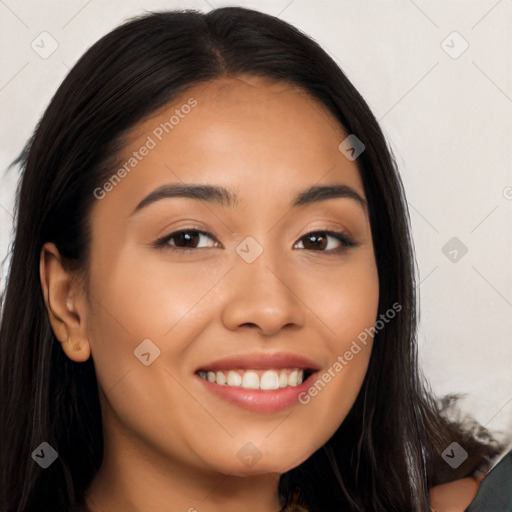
(448, 118)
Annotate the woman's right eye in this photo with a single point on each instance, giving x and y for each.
(184, 240)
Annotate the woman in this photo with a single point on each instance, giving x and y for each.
(273, 368)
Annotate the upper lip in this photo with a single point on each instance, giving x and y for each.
(261, 361)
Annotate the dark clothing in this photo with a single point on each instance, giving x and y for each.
(495, 491)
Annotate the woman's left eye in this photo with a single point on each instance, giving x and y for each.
(320, 240)
(186, 240)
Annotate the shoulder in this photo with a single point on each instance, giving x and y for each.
(453, 496)
(489, 494)
(495, 491)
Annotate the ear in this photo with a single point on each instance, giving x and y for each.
(66, 312)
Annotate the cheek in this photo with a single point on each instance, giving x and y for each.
(345, 298)
(134, 298)
(143, 319)
(348, 306)
(147, 297)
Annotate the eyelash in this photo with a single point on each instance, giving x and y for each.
(163, 243)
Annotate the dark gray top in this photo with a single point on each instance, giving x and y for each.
(495, 491)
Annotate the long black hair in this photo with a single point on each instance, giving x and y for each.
(387, 452)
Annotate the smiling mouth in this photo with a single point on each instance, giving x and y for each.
(266, 380)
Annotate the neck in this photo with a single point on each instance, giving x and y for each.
(135, 478)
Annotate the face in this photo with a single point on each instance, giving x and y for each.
(207, 309)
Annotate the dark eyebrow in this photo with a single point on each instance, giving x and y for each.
(224, 197)
(219, 195)
(323, 192)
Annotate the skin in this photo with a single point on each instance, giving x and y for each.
(167, 439)
(454, 496)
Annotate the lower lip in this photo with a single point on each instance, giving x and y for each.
(257, 400)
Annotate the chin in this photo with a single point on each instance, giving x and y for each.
(271, 461)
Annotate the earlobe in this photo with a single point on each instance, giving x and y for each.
(59, 290)
(76, 350)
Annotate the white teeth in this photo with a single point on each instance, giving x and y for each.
(269, 380)
(234, 379)
(250, 379)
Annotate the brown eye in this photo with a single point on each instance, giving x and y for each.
(185, 240)
(319, 241)
(315, 241)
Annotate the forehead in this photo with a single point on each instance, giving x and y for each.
(251, 134)
(269, 111)
(245, 91)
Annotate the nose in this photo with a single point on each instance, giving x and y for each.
(262, 295)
